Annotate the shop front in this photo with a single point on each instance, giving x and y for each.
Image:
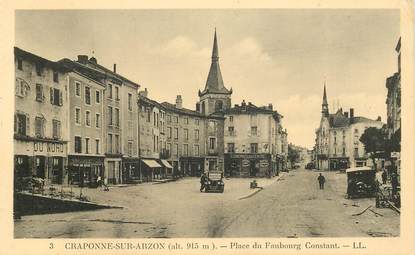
(131, 170)
(248, 165)
(150, 169)
(167, 168)
(339, 163)
(192, 166)
(84, 170)
(41, 158)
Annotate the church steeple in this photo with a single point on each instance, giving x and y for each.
(214, 83)
(325, 105)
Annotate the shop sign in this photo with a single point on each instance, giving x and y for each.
(245, 162)
(47, 147)
(264, 163)
(251, 156)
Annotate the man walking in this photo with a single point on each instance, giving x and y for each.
(203, 180)
(384, 176)
(321, 181)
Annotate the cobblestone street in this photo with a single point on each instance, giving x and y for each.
(289, 206)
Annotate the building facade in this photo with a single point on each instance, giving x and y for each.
(40, 120)
(338, 143)
(252, 141)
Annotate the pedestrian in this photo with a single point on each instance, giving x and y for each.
(321, 181)
(203, 180)
(394, 183)
(99, 181)
(384, 176)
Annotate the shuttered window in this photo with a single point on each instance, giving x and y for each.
(56, 127)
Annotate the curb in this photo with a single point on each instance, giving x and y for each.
(261, 188)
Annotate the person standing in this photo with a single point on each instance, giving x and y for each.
(321, 181)
(394, 183)
(203, 180)
(384, 176)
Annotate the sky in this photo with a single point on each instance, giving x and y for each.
(278, 56)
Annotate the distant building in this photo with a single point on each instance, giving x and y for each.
(40, 118)
(338, 143)
(393, 100)
(254, 142)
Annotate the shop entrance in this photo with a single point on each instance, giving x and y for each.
(40, 166)
(253, 170)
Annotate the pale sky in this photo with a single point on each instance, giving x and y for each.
(272, 56)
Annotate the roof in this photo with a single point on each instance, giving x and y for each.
(35, 58)
(172, 107)
(251, 109)
(214, 83)
(150, 101)
(358, 169)
(90, 73)
(339, 120)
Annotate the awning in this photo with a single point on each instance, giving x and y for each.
(151, 163)
(166, 163)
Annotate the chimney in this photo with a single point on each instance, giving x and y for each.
(346, 114)
(270, 106)
(93, 60)
(83, 59)
(351, 113)
(243, 103)
(115, 68)
(143, 93)
(179, 102)
(379, 118)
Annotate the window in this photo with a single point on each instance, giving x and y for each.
(97, 150)
(254, 130)
(88, 118)
(130, 102)
(117, 95)
(196, 150)
(20, 64)
(154, 119)
(88, 95)
(39, 93)
(87, 145)
(21, 88)
(117, 117)
(231, 147)
(78, 144)
(176, 133)
(77, 89)
(254, 148)
(56, 129)
(110, 115)
(356, 152)
(186, 120)
(130, 149)
(176, 149)
(212, 143)
(39, 127)
(21, 122)
(109, 143)
(55, 96)
(169, 132)
(148, 115)
(230, 118)
(231, 131)
(186, 133)
(97, 97)
(78, 116)
(175, 119)
(168, 118)
(55, 76)
(97, 120)
(196, 134)
(169, 148)
(344, 151)
(197, 122)
(117, 143)
(109, 91)
(38, 69)
(185, 149)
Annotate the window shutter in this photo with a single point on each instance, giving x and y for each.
(27, 125)
(60, 98)
(59, 129)
(15, 123)
(51, 95)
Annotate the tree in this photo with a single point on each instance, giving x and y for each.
(374, 140)
(293, 154)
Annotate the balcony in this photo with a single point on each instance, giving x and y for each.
(213, 152)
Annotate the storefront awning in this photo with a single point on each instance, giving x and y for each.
(151, 163)
(166, 163)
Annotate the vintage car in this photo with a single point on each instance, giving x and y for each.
(215, 182)
(309, 166)
(361, 182)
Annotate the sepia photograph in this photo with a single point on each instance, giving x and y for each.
(209, 130)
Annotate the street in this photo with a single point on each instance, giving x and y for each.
(289, 206)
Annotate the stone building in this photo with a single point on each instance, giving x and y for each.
(393, 100)
(121, 122)
(253, 141)
(40, 119)
(338, 143)
(86, 145)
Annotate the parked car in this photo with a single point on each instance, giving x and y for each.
(361, 182)
(215, 182)
(310, 166)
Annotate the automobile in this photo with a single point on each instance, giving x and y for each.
(296, 166)
(309, 165)
(215, 182)
(361, 182)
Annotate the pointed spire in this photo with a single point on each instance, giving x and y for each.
(325, 105)
(215, 52)
(325, 95)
